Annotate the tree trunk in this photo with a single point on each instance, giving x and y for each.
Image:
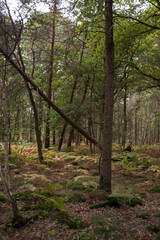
(5, 173)
(71, 99)
(47, 135)
(105, 168)
(124, 117)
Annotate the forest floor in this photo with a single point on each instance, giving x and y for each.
(58, 198)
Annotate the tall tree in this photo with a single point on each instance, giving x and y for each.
(47, 134)
(105, 167)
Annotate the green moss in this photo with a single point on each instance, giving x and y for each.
(73, 222)
(75, 186)
(153, 228)
(143, 216)
(61, 217)
(85, 234)
(133, 202)
(25, 196)
(76, 196)
(17, 222)
(3, 198)
(116, 201)
(101, 231)
(155, 189)
(157, 215)
(15, 160)
(99, 220)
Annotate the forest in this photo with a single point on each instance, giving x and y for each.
(79, 119)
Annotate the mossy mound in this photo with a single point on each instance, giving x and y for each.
(76, 196)
(117, 201)
(25, 196)
(17, 222)
(143, 216)
(3, 198)
(155, 189)
(73, 222)
(153, 228)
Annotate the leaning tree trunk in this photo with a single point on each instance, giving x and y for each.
(105, 167)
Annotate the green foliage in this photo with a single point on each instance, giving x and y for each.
(155, 189)
(72, 222)
(38, 200)
(50, 189)
(143, 216)
(76, 196)
(115, 200)
(17, 222)
(99, 220)
(3, 198)
(132, 160)
(86, 181)
(153, 228)
(15, 159)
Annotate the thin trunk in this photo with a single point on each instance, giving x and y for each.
(34, 107)
(47, 136)
(135, 127)
(5, 173)
(124, 117)
(36, 120)
(72, 95)
(105, 167)
(71, 134)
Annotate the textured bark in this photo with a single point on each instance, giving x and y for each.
(105, 168)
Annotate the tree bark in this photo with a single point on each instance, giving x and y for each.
(105, 167)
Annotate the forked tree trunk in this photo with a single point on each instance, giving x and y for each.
(105, 167)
